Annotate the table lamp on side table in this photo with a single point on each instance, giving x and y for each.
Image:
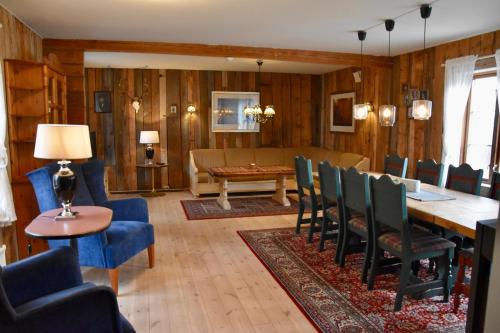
(149, 138)
(63, 143)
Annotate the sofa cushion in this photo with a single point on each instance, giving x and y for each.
(239, 156)
(207, 158)
(349, 159)
(269, 156)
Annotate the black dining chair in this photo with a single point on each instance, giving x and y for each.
(430, 172)
(331, 195)
(395, 165)
(356, 226)
(464, 179)
(307, 197)
(407, 242)
(495, 186)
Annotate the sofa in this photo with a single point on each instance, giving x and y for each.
(200, 160)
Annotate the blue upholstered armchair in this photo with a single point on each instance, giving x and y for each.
(130, 231)
(45, 293)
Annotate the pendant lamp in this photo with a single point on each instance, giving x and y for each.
(360, 111)
(387, 113)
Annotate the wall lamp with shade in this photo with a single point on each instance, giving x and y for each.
(149, 138)
(63, 143)
(191, 108)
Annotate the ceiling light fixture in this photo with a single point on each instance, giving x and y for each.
(255, 112)
(387, 113)
(360, 111)
(422, 108)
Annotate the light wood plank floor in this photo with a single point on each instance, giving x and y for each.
(205, 279)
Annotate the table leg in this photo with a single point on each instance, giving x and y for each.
(280, 195)
(222, 199)
(153, 192)
(73, 243)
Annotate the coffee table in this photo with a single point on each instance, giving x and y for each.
(90, 220)
(225, 174)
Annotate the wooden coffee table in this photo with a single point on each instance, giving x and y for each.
(90, 220)
(225, 174)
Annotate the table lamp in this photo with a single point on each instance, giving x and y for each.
(148, 138)
(63, 143)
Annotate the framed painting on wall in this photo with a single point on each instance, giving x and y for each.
(227, 111)
(102, 101)
(341, 115)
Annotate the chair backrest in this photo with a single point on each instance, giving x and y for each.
(303, 175)
(464, 179)
(430, 172)
(395, 165)
(495, 186)
(355, 192)
(389, 207)
(7, 312)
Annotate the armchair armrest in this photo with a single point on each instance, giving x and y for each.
(40, 275)
(86, 308)
(131, 209)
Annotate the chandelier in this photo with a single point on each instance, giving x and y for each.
(255, 113)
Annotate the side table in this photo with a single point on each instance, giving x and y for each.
(154, 166)
(90, 220)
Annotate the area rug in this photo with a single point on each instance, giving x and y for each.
(202, 209)
(335, 300)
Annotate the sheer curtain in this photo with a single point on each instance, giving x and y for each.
(458, 77)
(497, 58)
(7, 212)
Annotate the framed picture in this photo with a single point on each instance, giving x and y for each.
(341, 115)
(102, 101)
(227, 111)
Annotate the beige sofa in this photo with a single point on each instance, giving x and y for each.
(202, 159)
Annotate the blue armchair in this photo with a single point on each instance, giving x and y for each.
(45, 293)
(129, 233)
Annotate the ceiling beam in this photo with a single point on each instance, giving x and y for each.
(307, 56)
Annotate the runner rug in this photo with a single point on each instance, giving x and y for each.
(335, 300)
(202, 209)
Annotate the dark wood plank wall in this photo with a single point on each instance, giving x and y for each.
(17, 41)
(296, 97)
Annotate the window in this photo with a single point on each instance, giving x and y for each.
(481, 126)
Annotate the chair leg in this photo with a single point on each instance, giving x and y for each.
(366, 263)
(338, 246)
(113, 279)
(343, 249)
(458, 284)
(404, 277)
(299, 218)
(324, 229)
(151, 255)
(373, 270)
(314, 218)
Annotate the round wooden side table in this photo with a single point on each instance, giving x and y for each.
(153, 166)
(90, 220)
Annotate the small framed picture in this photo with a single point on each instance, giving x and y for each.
(173, 109)
(102, 101)
(341, 114)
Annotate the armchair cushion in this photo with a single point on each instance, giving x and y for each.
(131, 209)
(93, 172)
(125, 240)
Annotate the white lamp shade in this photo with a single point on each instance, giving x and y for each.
(149, 137)
(62, 142)
(269, 111)
(421, 109)
(257, 110)
(387, 115)
(191, 108)
(360, 111)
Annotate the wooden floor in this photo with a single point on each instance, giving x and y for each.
(205, 280)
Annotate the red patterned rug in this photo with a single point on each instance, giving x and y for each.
(335, 300)
(203, 209)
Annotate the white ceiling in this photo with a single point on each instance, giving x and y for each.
(171, 61)
(298, 24)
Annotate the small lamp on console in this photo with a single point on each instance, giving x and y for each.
(63, 143)
(149, 138)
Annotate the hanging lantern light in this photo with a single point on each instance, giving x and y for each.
(387, 113)
(422, 108)
(360, 111)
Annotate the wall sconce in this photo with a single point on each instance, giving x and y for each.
(191, 108)
(360, 111)
(387, 115)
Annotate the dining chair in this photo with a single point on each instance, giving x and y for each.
(308, 199)
(464, 179)
(495, 186)
(356, 226)
(407, 242)
(395, 165)
(465, 259)
(430, 172)
(331, 195)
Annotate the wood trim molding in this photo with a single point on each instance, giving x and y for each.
(319, 57)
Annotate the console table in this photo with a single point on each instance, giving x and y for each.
(152, 167)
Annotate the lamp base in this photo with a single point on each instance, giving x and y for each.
(64, 183)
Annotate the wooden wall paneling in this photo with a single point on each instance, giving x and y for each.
(203, 108)
(305, 110)
(147, 125)
(277, 102)
(296, 109)
(139, 126)
(266, 97)
(187, 130)
(286, 112)
(315, 110)
(175, 174)
(212, 141)
(155, 119)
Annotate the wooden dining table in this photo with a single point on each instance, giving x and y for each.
(459, 214)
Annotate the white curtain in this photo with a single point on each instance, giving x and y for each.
(7, 212)
(497, 57)
(458, 77)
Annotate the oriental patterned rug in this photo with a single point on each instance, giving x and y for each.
(335, 300)
(202, 209)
